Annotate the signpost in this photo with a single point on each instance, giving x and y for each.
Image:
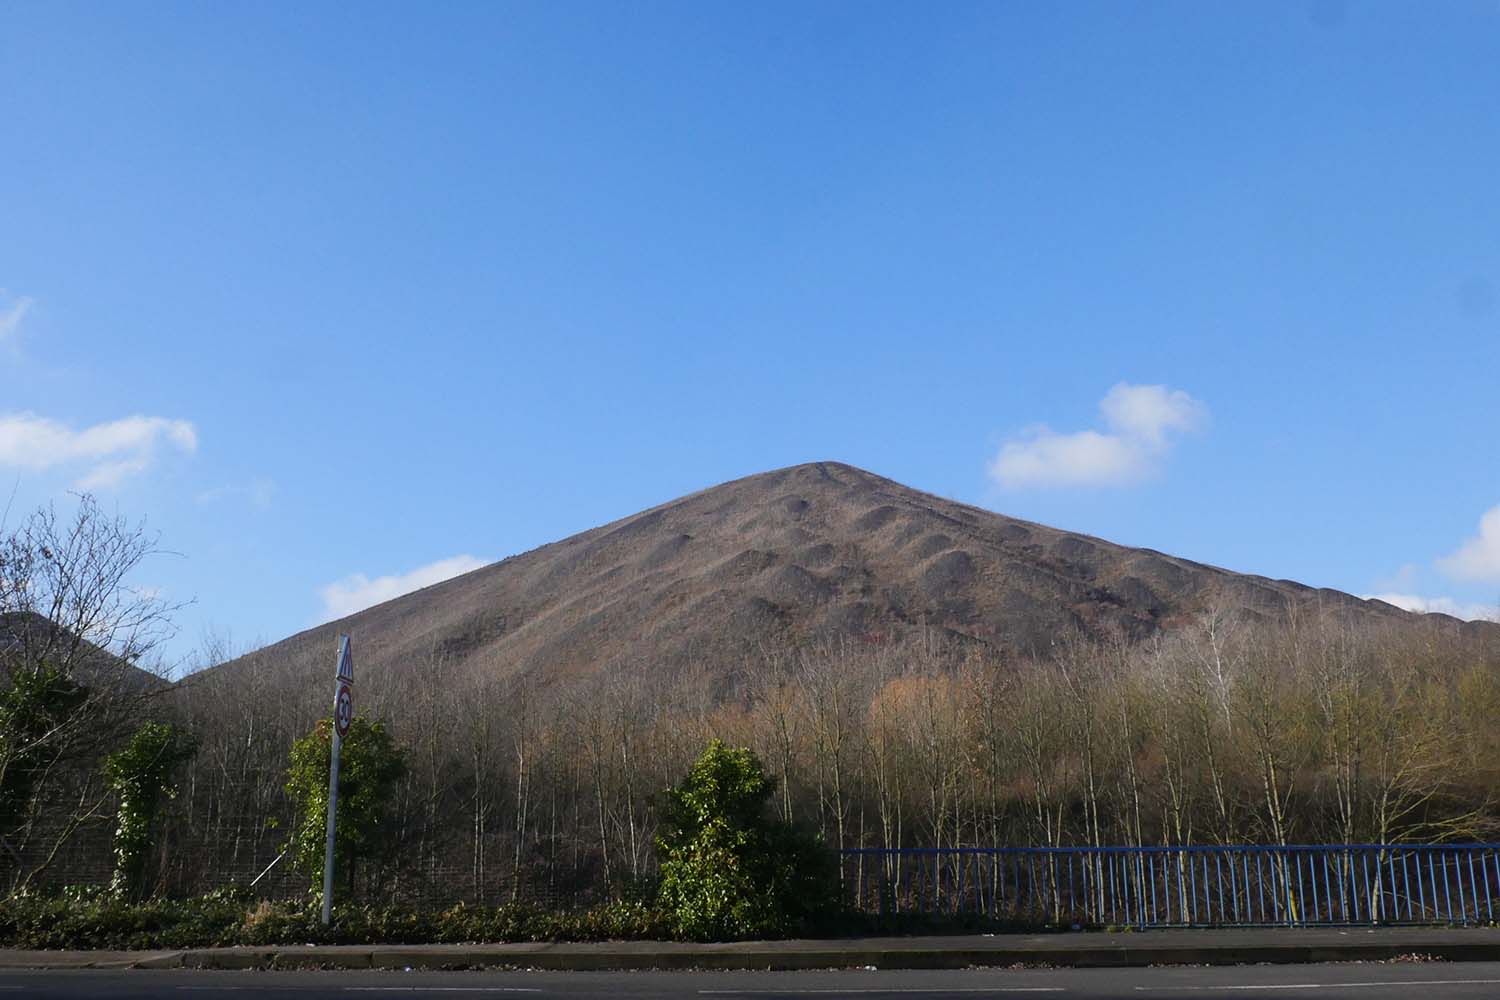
(343, 713)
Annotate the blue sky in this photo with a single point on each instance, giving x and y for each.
(335, 293)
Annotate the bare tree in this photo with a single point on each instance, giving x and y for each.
(832, 686)
(77, 638)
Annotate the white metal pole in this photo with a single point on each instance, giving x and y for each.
(333, 795)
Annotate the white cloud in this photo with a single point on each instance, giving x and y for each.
(1440, 605)
(1142, 423)
(357, 591)
(111, 474)
(257, 491)
(1403, 581)
(1045, 458)
(1478, 558)
(111, 451)
(12, 315)
(1150, 413)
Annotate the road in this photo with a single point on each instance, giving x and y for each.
(1355, 981)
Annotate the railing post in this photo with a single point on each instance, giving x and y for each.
(1260, 885)
(1416, 864)
(1290, 911)
(1489, 907)
(1473, 888)
(1439, 905)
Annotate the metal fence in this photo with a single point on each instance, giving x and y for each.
(1184, 886)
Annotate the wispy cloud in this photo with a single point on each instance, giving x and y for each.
(1403, 581)
(109, 452)
(357, 591)
(1478, 558)
(1142, 424)
(1441, 606)
(257, 492)
(11, 316)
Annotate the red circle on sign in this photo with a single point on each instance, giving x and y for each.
(343, 711)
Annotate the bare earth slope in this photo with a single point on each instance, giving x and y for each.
(778, 559)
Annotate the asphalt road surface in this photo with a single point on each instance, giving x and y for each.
(1356, 981)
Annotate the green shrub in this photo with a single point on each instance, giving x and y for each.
(36, 705)
(141, 774)
(728, 869)
(226, 918)
(370, 764)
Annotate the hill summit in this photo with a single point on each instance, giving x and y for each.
(774, 561)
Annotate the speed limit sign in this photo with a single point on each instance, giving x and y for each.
(343, 710)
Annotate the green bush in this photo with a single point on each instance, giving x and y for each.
(728, 869)
(141, 774)
(370, 765)
(36, 705)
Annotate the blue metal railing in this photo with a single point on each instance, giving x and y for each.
(1303, 885)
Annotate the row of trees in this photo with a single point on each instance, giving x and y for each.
(1224, 731)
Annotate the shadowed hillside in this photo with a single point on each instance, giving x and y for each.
(29, 640)
(778, 560)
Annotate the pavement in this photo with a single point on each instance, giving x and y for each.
(1077, 950)
(1345, 981)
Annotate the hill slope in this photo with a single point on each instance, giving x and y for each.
(27, 639)
(775, 560)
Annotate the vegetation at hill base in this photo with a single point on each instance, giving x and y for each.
(1229, 730)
